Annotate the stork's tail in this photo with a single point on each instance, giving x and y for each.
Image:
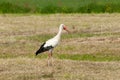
(40, 50)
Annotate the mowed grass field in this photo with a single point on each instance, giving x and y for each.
(90, 52)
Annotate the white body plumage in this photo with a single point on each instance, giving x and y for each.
(53, 42)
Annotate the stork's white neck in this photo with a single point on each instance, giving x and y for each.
(59, 32)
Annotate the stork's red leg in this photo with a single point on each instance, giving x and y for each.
(49, 55)
(50, 59)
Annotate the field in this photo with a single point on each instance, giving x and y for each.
(59, 6)
(90, 52)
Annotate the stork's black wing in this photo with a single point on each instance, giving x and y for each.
(43, 49)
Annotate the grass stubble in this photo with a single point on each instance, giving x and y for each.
(90, 52)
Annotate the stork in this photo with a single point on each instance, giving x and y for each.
(50, 44)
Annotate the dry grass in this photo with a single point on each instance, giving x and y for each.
(21, 35)
(36, 69)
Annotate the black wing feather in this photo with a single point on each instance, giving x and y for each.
(43, 49)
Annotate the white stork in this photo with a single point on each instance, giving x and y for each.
(50, 44)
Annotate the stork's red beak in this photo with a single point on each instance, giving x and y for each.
(65, 28)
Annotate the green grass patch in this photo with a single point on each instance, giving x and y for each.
(79, 57)
(89, 57)
(82, 57)
(59, 6)
(40, 38)
(7, 7)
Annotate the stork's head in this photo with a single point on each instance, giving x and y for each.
(64, 27)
